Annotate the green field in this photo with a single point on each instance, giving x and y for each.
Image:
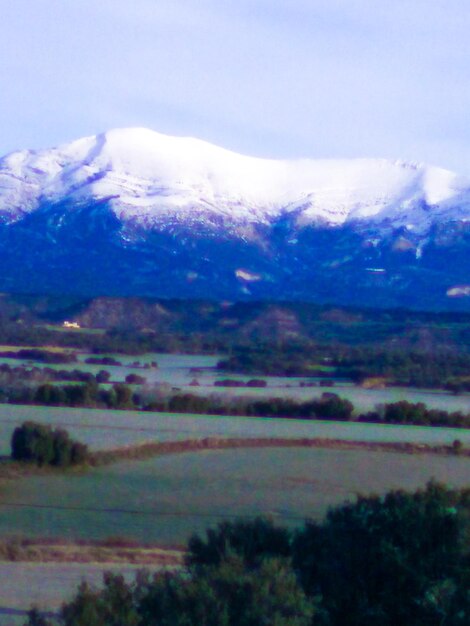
(166, 498)
(59, 328)
(104, 429)
(177, 371)
(363, 399)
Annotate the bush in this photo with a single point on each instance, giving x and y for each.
(40, 444)
(103, 376)
(256, 382)
(135, 379)
(123, 396)
(228, 382)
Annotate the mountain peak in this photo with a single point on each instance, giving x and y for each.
(132, 211)
(150, 176)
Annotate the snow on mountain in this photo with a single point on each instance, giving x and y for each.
(133, 212)
(151, 177)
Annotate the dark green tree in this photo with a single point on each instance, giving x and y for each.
(251, 541)
(103, 376)
(398, 559)
(123, 395)
(32, 442)
(114, 605)
(229, 594)
(36, 618)
(40, 444)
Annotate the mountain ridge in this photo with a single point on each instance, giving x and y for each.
(149, 172)
(134, 212)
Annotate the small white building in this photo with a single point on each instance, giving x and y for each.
(67, 324)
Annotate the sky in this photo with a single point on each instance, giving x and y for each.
(271, 78)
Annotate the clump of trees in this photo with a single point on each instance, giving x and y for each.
(40, 444)
(135, 379)
(328, 406)
(21, 374)
(442, 369)
(230, 382)
(105, 360)
(417, 413)
(91, 395)
(402, 558)
(37, 354)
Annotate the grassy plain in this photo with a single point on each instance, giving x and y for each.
(59, 328)
(166, 498)
(105, 429)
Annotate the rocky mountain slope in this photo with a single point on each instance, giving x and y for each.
(134, 212)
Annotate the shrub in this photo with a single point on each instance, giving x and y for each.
(40, 444)
(135, 379)
(228, 382)
(121, 398)
(33, 442)
(457, 446)
(103, 376)
(256, 382)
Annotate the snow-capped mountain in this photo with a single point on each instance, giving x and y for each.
(132, 211)
(149, 177)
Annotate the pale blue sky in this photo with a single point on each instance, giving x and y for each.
(278, 78)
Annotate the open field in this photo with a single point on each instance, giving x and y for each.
(174, 369)
(178, 371)
(167, 498)
(60, 328)
(363, 399)
(104, 429)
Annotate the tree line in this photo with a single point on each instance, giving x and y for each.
(329, 406)
(439, 369)
(416, 413)
(20, 374)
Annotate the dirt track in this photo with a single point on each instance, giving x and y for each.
(147, 450)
